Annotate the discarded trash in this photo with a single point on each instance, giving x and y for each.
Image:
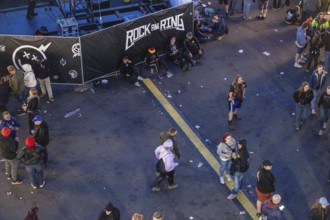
(189, 83)
(242, 213)
(20, 197)
(207, 140)
(281, 41)
(293, 113)
(92, 90)
(47, 102)
(197, 126)
(104, 188)
(225, 78)
(180, 106)
(169, 96)
(249, 186)
(45, 111)
(251, 152)
(282, 207)
(257, 94)
(9, 193)
(79, 115)
(191, 161)
(209, 3)
(281, 73)
(32, 192)
(179, 91)
(241, 51)
(191, 217)
(275, 30)
(69, 114)
(202, 86)
(266, 53)
(104, 81)
(144, 91)
(159, 83)
(200, 164)
(297, 149)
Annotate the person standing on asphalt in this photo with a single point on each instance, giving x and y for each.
(16, 83)
(32, 107)
(109, 212)
(317, 82)
(171, 134)
(303, 97)
(32, 214)
(164, 152)
(319, 210)
(301, 43)
(8, 152)
(10, 122)
(225, 150)
(326, 42)
(240, 164)
(41, 135)
(4, 94)
(32, 156)
(263, 8)
(236, 95)
(265, 184)
(324, 105)
(30, 81)
(42, 72)
(271, 210)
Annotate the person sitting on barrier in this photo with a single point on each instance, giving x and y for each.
(293, 15)
(219, 27)
(201, 33)
(177, 56)
(155, 63)
(192, 47)
(127, 69)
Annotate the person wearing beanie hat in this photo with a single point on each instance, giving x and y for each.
(8, 151)
(165, 155)
(155, 63)
(271, 208)
(171, 134)
(109, 212)
(319, 210)
(41, 135)
(32, 156)
(16, 83)
(157, 216)
(265, 184)
(29, 78)
(32, 107)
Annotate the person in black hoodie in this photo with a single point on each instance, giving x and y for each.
(315, 44)
(109, 213)
(4, 94)
(265, 184)
(324, 105)
(41, 135)
(175, 55)
(303, 98)
(127, 69)
(239, 166)
(42, 73)
(32, 107)
(8, 152)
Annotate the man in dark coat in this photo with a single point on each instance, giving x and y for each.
(41, 135)
(4, 94)
(109, 213)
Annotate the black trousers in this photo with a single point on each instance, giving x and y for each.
(277, 4)
(31, 6)
(169, 175)
(311, 58)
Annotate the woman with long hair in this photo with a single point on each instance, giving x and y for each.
(319, 210)
(303, 98)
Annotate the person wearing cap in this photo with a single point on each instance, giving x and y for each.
(271, 210)
(219, 27)
(109, 212)
(42, 72)
(193, 48)
(265, 184)
(127, 69)
(164, 152)
(32, 157)
(240, 164)
(16, 83)
(11, 122)
(155, 63)
(8, 151)
(29, 78)
(41, 135)
(319, 210)
(225, 150)
(171, 134)
(32, 107)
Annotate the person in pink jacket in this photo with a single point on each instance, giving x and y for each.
(165, 153)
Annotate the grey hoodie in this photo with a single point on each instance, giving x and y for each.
(225, 149)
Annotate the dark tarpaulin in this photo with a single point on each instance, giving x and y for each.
(62, 55)
(102, 51)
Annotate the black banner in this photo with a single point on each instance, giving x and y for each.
(102, 51)
(62, 54)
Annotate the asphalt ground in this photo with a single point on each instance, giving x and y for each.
(105, 153)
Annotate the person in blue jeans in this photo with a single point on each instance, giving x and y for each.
(240, 164)
(225, 149)
(303, 98)
(324, 105)
(326, 42)
(32, 156)
(246, 9)
(317, 82)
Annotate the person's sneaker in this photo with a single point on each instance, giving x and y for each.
(301, 61)
(259, 17)
(169, 74)
(222, 180)
(34, 187)
(140, 78)
(304, 58)
(324, 125)
(51, 99)
(320, 132)
(172, 186)
(17, 182)
(228, 177)
(297, 65)
(194, 62)
(263, 18)
(231, 196)
(155, 189)
(220, 38)
(43, 184)
(189, 66)
(8, 177)
(313, 111)
(258, 214)
(42, 95)
(137, 84)
(152, 70)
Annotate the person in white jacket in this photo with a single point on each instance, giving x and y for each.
(29, 78)
(165, 153)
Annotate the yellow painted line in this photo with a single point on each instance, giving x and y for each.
(246, 203)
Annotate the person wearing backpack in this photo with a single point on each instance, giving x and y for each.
(240, 164)
(301, 43)
(165, 155)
